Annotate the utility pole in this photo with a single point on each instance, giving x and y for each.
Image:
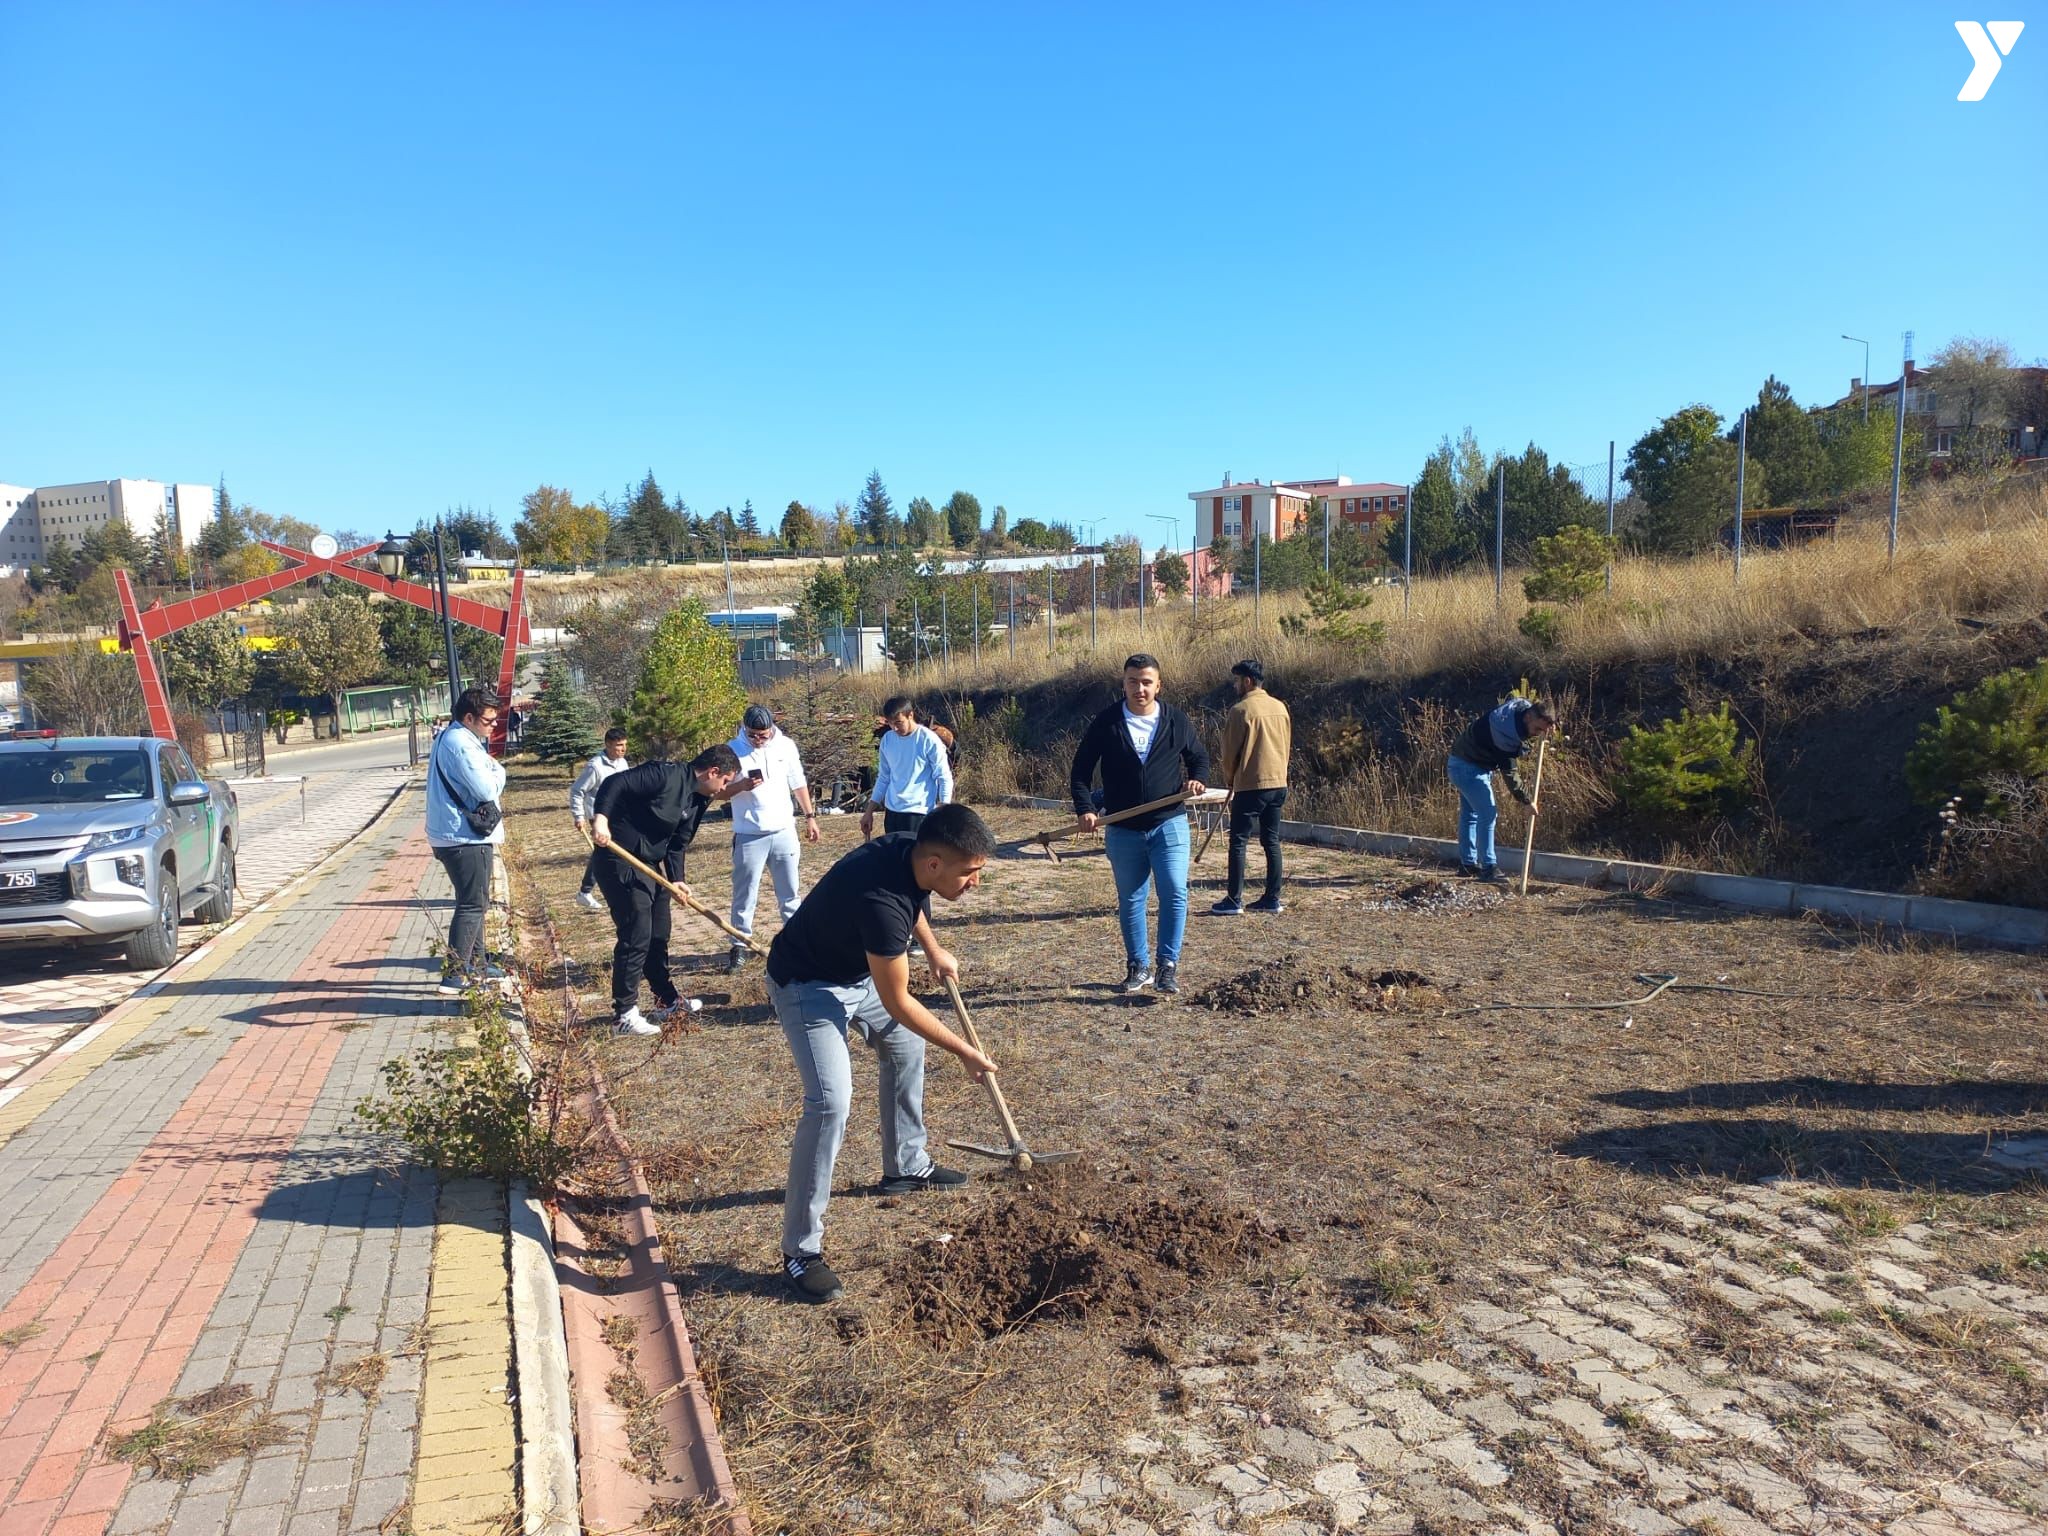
(1326, 535)
(1048, 610)
(1012, 630)
(1093, 567)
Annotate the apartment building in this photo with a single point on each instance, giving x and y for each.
(1240, 510)
(35, 520)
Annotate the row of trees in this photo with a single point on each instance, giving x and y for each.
(555, 528)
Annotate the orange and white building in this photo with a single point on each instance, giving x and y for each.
(1239, 510)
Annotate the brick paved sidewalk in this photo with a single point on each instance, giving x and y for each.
(188, 1203)
(49, 995)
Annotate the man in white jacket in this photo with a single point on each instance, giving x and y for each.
(764, 821)
(583, 794)
(912, 776)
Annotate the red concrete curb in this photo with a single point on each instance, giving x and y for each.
(613, 1498)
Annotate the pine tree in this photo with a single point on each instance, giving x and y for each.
(564, 726)
(689, 693)
(876, 510)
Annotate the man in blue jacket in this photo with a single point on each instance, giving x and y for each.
(1494, 743)
(1147, 750)
(462, 779)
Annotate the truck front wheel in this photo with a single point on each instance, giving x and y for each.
(154, 947)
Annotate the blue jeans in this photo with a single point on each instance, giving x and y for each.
(1477, 812)
(815, 1017)
(1139, 860)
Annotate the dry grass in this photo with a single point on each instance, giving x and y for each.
(363, 1375)
(192, 1435)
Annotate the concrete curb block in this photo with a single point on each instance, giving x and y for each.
(550, 1500)
(2013, 927)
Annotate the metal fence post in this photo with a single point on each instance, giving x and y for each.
(1408, 549)
(916, 639)
(945, 627)
(1891, 551)
(1610, 514)
(1012, 630)
(1141, 592)
(1500, 536)
(1093, 567)
(1326, 535)
(1258, 574)
(977, 623)
(1048, 609)
(1741, 472)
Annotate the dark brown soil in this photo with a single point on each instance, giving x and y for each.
(1294, 981)
(1068, 1244)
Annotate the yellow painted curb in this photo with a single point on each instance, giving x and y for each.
(467, 1479)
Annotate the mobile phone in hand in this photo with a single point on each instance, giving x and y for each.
(756, 775)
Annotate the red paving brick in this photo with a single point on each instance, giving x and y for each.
(123, 1298)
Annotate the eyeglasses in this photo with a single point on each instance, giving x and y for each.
(760, 735)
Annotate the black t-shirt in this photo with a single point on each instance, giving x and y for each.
(867, 904)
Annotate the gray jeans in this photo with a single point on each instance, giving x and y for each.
(815, 1016)
(777, 851)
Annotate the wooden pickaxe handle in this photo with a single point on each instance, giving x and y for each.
(687, 899)
(995, 1094)
(1045, 840)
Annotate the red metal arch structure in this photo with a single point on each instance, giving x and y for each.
(141, 626)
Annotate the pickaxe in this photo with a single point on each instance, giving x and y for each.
(683, 895)
(1016, 1154)
(1045, 840)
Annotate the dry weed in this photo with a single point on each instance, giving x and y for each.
(191, 1435)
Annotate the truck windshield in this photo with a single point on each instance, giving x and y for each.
(43, 777)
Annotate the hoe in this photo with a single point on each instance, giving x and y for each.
(1045, 840)
(1017, 1154)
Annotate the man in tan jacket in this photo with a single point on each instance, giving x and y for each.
(1257, 736)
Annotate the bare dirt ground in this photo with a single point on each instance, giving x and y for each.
(1355, 1248)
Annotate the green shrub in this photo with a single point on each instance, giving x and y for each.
(468, 1110)
(1570, 565)
(1545, 626)
(1691, 766)
(1998, 729)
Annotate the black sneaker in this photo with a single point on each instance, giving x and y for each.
(809, 1278)
(1490, 875)
(1270, 906)
(1229, 906)
(735, 960)
(1468, 871)
(1136, 980)
(1169, 978)
(933, 1177)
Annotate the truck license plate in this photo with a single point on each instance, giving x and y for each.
(17, 879)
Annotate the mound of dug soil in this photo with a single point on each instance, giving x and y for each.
(1439, 896)
(1071, 1246)
(1293, 982)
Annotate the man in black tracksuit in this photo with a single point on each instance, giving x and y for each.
(652, 812)
(1147, 750)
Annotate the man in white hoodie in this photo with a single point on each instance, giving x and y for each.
(583, 795)
(764, 821)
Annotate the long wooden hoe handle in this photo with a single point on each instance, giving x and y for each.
(1535, 799)
(995, 1094)
(688, 900)
(1045, 839)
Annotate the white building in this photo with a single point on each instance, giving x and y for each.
(33, 522)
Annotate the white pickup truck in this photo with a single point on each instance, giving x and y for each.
(112, 839)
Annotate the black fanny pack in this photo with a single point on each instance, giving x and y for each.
(483, 819)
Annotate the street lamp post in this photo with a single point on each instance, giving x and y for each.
(447, 628)
(1174, 524)
(1866, 373)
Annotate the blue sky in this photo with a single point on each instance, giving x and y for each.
(370, 262)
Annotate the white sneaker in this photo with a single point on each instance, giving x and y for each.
(590, 901)
(682, 1005)
(634, 1022)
